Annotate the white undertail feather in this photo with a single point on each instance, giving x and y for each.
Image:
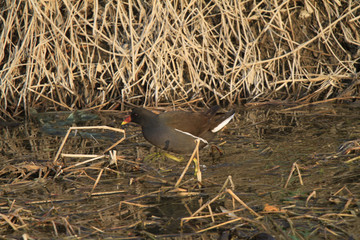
(201, 139)
(222, 124)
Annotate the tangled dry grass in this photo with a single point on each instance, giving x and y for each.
(68, 54)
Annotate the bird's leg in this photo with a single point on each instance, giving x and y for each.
(152, 156)
(214, 147)
(196, 166)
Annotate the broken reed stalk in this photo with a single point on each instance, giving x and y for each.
(219, 195)
(11, 224)
(87, 128)
(232, 221)
(242, 202)
(218, 51)
(81, 163)
(226, 183)
(198, 171)
(97, 181)
(212, 215)
(294, 167)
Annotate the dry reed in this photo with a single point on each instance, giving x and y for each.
(96, 54)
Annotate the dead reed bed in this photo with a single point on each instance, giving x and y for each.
(125, 196)
(67, 55)
(127, 200)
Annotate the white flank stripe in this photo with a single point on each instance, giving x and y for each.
(222, 124)
(201, 139)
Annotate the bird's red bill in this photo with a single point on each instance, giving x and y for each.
(126, 120)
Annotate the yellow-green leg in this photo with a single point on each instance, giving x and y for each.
(162, 155)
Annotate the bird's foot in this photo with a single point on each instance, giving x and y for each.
(162, 156)
(173, 157)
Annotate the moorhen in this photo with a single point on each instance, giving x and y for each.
(176, 131)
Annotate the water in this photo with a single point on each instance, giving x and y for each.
(136, 197)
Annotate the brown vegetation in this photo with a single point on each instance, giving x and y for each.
(95, 54)
(280, 175)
